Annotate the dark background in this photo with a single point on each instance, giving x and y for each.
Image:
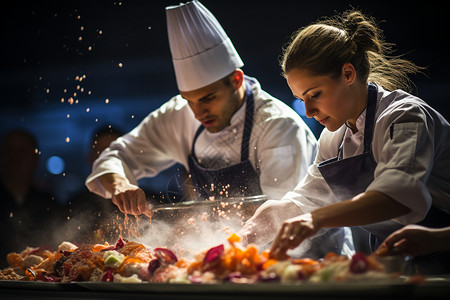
(42, 53)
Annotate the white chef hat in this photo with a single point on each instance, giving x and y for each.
(202, 53)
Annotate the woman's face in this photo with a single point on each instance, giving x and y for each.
(328, 100)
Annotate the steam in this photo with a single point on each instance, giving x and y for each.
(192, 230)
(185, 231)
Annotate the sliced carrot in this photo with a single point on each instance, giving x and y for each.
(234, 238)
(308, 270)
(182, 263)
(100, 247)
(29, 276)
(268, 263)
(251, 251)
(304, 261)
(331, 256)
(266, 253)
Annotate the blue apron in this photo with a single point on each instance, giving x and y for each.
(351, 176)
(239, 180)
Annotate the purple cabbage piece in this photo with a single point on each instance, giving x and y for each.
(165, 256)
(66, 253)
(212, 258)
(301, 275)
(270, 277)
(195, 279)
(233, 275)
(48, 278)
(120, 243)
(108, 276)
(213, 254)
(359, 263)
(153, 265)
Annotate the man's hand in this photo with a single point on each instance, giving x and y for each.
(129, 198)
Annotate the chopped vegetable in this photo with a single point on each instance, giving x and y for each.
(113, 261)
(153, 265)
(358, 263)
(120, 243)
(165, 256)
(213, 254)
(129, 261)
(108, 276)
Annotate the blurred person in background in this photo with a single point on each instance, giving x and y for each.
(28, 212)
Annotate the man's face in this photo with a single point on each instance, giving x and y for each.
(215, 104)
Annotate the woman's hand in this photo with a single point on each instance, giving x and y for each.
(261, 228)
(292, 233)
(416, 240)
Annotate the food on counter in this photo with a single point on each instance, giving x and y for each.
(131, 262)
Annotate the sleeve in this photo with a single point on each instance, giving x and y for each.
(313, 191)
(154, 145)
(403, 147)
(285, 149)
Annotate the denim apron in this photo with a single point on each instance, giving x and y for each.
(351, 176)
(239, 180)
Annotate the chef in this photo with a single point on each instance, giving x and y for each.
(384, 157)
(233, 137)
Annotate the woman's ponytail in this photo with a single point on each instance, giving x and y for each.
(323, 48)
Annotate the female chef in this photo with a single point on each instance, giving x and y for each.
(384, 156)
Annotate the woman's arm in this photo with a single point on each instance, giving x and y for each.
(416, 240)
(365, 208)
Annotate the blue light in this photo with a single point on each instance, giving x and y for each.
(299, 107)
(55, 165)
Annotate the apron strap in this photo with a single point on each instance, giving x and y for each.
(248, 124)
(199, 130)
(369, 123)
(370, 116)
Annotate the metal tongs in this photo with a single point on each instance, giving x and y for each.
(207, 203)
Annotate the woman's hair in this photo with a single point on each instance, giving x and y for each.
(324, 47)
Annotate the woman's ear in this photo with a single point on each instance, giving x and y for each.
(237, 78)
(348, 73)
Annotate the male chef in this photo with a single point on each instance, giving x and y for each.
(233, 138)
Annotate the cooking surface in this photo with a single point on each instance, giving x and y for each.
(435, 288)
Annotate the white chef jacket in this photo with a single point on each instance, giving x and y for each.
(281, 145)
(411, 145)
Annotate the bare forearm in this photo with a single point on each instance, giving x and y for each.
(128, 197)
(110, 181)
(366, 208)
